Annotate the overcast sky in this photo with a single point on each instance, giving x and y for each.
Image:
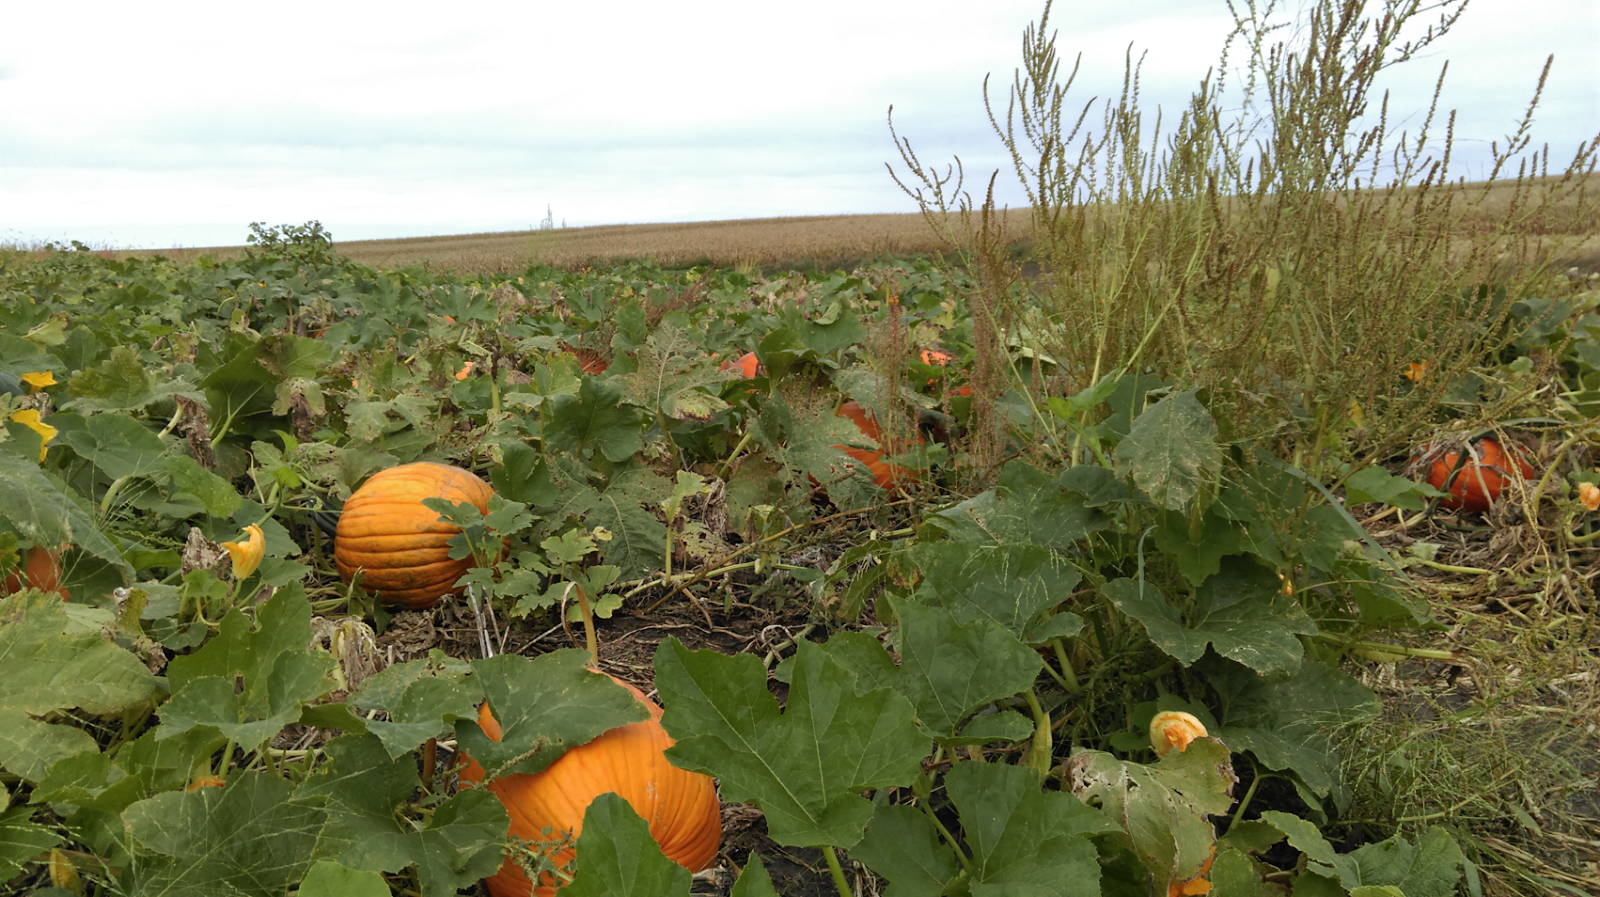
(176, 124)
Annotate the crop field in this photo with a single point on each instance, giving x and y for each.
(1219, 524)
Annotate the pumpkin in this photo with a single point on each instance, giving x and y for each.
(680, 806)
(1479, 483)
(887, 475)
(747, 366)
(401, 546)
(38, 568)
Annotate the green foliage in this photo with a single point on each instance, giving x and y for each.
(804, 766)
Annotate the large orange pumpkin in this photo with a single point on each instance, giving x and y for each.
(400, 545)
(887, 475)
(1478, 484)
(680, 806)
(40, 569)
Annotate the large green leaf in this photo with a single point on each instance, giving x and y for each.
(1289, 725)
(619, 858)
(363, 789)
(121, 383)
(115, 444)
(420, 700)
(329, 879)
(22, 841)
(1432, 867)
(1240, 611)
(1172, 450)
(1023, 842)
(1029, 506)
(248, 838)
(544, 705)
(1164, 808)
(595, 419)
(278, 671)
(674, 378)
(948, 670)
(44, 668)
(40, 509)
(638, 537)
(1011, 585)
(804, 767)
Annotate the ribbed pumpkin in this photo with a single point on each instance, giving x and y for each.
(680, 806)
(400, 545)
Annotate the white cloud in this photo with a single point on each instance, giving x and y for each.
(153, 120)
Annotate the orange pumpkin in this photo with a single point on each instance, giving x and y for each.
(887, 475)
(400, 545)
(681, 806)
(40, 568)
(747, 365)
(1479, 482)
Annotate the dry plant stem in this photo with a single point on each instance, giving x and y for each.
(721, 566)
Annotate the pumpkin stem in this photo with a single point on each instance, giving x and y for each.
(590, 641)
(838, 871)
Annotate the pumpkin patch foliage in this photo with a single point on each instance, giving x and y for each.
(928, 577)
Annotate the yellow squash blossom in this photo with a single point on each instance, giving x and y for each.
(247, 557)
(1174, 729)
(29, 417)
(38, 380)
(1416, 371)
(465, 371)
(1589, 494)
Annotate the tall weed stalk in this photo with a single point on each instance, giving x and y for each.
(1281, 246)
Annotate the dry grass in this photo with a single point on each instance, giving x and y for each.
(756, 242)
(831, 240)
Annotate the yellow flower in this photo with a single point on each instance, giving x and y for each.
(1416, 370)
(1589, 494)
(465, 371)
(29, 417)
(1174, 729)
(247, 557)
(38, 380)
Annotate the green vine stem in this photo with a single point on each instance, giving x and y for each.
(837, 870)
(589, 639)
(1041, 749)
(961, 855)
(1069, 676)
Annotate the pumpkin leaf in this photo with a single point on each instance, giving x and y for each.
(595, 420)
(248, 838)
(1021, 840)
(1029, 506)
(22, 841)
(1171, 450)
(1164, 808)
(753, 880)
(121, 383)
(671, 380)
(1374, 484)
(1240, 612)
(329, 879)
(43, 669)
(420, 700)
(637, 536)
(544, 705)
(361, 788)
(902, 846)
(523, 476)
(1288, 725)
(279, 672)
(43, 509)
(947, 670)
(619, 858)
(1008, 584)
(806, 766)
